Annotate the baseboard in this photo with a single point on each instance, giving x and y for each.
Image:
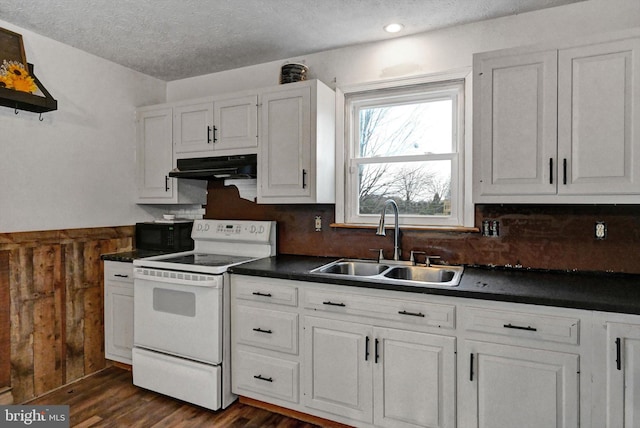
(6, 397)
(121, 365)
(292, 413)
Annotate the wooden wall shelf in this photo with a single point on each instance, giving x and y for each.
(26, 101)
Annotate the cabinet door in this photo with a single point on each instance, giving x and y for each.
(118, 322)
(599, 118)
(236, 123)
(286, 143)
(337, 368)
(623, 375)
(193, 128)
(509, 386)
(414, 379)
(155, 154)
(515, 113)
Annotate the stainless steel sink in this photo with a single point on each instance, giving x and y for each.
(422, 274)
(354, 267)
(391, 272)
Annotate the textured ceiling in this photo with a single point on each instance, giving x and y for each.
(174, 39)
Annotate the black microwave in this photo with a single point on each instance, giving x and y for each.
(170, 237)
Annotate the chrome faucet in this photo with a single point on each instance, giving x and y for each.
(381, 232)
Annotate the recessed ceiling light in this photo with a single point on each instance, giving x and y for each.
(393, 28)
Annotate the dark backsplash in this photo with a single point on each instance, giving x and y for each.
(558, 237)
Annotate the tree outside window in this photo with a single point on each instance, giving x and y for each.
(405, 147)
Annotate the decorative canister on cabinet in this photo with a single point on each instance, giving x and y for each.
(293, 72)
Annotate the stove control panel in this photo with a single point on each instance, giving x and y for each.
(240, 230)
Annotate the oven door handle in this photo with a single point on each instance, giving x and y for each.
(178, 278)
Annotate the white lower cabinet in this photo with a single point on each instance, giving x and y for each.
(512, 386)
(118, 311)
(337, 368)
(369, 357)
(519, 366)
(414, 379)
(266, 376)
(264, 340)
(623, 375)
(384, 376)
(616, 386)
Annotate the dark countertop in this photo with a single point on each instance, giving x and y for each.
(130, 256)
(590, 291)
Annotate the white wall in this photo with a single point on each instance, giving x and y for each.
(426, 53)
(76, 168)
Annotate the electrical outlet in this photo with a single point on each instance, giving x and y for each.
(601, 230)
(318, 225)
(491, 228)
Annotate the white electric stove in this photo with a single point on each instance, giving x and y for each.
(182, 315)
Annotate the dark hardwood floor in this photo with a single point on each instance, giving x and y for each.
(109, 399)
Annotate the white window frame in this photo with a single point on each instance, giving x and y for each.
(463, 206)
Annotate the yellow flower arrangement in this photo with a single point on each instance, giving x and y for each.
(13, 75)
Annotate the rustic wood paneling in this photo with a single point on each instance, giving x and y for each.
(54, 281)
(22, 320)
(47, 318)
(5, 323)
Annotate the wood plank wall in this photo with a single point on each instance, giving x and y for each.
(51, 305)
(5, 365)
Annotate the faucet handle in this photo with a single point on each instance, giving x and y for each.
(427, 262)
(380, 253)
(412, 258)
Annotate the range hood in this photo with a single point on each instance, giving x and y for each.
(216, 168)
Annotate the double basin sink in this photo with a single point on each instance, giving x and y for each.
(393, 272)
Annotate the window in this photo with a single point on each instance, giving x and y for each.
(405, 143)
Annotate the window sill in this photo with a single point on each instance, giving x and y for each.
(459, 229)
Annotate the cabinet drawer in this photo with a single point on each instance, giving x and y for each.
(266, 328)
(118, 271)
(259, 290)
(265, 375)
(415, 312)
(533, 326)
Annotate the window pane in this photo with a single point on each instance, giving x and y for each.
(419, 188)
(406, 129)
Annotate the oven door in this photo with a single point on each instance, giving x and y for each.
(179, 313)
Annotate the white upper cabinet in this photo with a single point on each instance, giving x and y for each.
(515, 116)
(154, 160)
(222, 126)
(154, 154)
(599, 119)
(294, 138)
(558, 126)
(236, 123)
(297, 147)
(193, 128)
